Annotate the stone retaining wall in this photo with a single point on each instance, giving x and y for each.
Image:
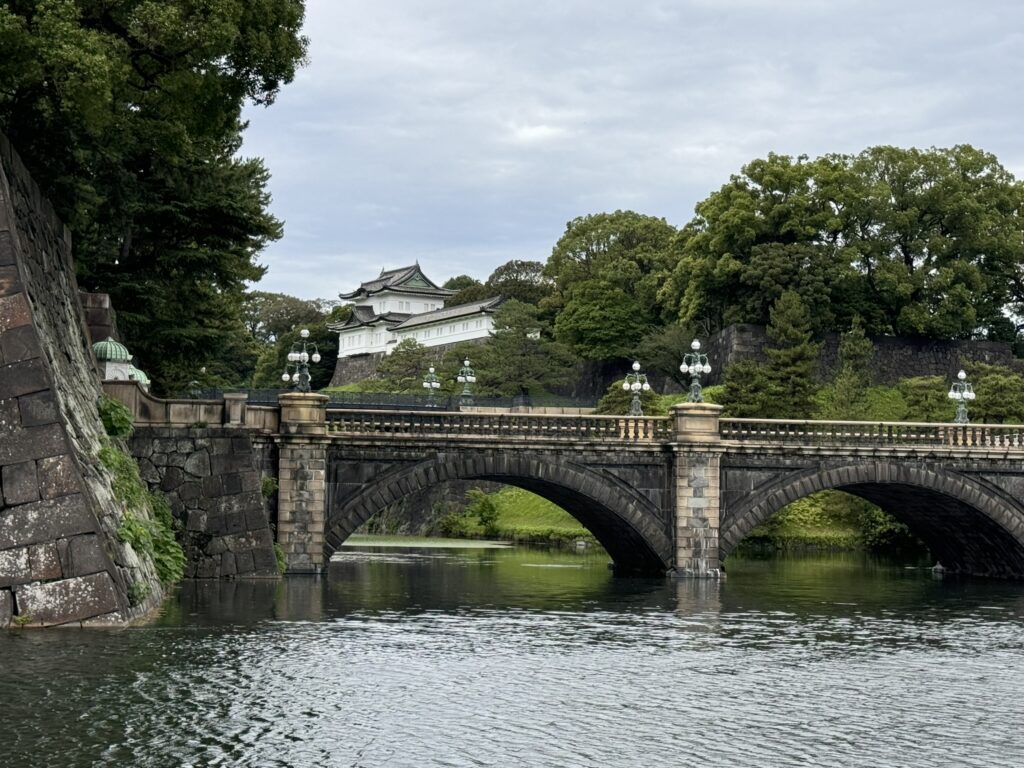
(61, 560)
(211, 479)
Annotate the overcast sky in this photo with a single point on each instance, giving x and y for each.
(464, 134)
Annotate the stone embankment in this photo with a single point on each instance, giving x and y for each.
(61, 559)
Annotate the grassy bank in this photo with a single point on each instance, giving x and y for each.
(518, 515)
(828, 520)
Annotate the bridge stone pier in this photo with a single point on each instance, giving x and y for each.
(670, 494)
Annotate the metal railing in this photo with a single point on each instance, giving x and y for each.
(397, 401)
(501, 425)
(860, 433)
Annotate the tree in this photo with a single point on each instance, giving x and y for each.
(270, 315)
(517, 279)
(792, 357)
(846, 397)
(785, 387)
(459, 282)
(616, 401)
(607, 269)
(745, 391)
(601, 321)
(128, 114)
(274, 358)
(662, 350)
(523, 281)
(403, 369)
(520, 357)
(766, 231)
(1000, 394)
(917, 242)
(926, 399)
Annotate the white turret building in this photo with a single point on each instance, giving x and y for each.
(405, 304)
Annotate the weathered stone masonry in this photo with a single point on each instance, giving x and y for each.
(210, 478)
(60, 558)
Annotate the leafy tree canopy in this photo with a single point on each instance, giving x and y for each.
(128, 114)
(517, 279)
(520, 357)
(924, 243)
(607, 269)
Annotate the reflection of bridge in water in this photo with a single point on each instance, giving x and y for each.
(672, 494)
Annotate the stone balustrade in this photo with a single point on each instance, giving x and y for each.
(1006, 437)
(650, 429)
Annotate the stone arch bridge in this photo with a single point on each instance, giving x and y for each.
(672, 494)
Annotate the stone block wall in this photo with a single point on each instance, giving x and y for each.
(895, 357)
(61, 560)
(99, 316)
(211, 479)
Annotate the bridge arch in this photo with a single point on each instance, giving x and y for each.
(627, 524)
(969, 525)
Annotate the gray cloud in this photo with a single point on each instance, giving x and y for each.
(466, 134)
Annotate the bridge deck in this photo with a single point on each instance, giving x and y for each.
(1004, 438)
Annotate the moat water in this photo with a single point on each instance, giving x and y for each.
(519, 657)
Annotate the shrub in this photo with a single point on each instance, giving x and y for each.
(268, 486)
(117, 419)
(147, 525)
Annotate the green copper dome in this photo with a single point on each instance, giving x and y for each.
(110, 351)
(136, 375)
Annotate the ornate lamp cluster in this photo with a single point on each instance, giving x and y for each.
(431, 383)
(466, 377)
(298, 361)
(636, 383)
(961, 392)
(695, 363)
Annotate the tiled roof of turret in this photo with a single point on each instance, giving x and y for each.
(363, 316)
(402, 280)
(449, 313)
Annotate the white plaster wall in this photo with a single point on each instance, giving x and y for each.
(395, 302)
(450, 331)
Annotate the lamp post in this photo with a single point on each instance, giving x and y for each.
(466, 377)
(695, 363)
(961, 391)
(299, 359)
(431, 383)
(636, 383)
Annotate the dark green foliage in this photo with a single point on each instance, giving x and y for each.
(129, 115)
(786, 386)
(1000, 394)
(274, 358)
(482, 507)
(662, 350)
(846, 396)
(917, 242)
(117, 419)
(268, 316)
(268, 487)
(792, 357)
(523, 281)
(745, 391)
(616, 401)
(403, 370)
(607, 270)
(926, 399)
(281, 558)
(520, 357)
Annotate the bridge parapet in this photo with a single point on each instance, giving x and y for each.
(847, 434)
(627, 429)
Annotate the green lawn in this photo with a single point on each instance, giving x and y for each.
(524, 516)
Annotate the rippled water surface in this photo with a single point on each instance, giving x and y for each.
(514, 657)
